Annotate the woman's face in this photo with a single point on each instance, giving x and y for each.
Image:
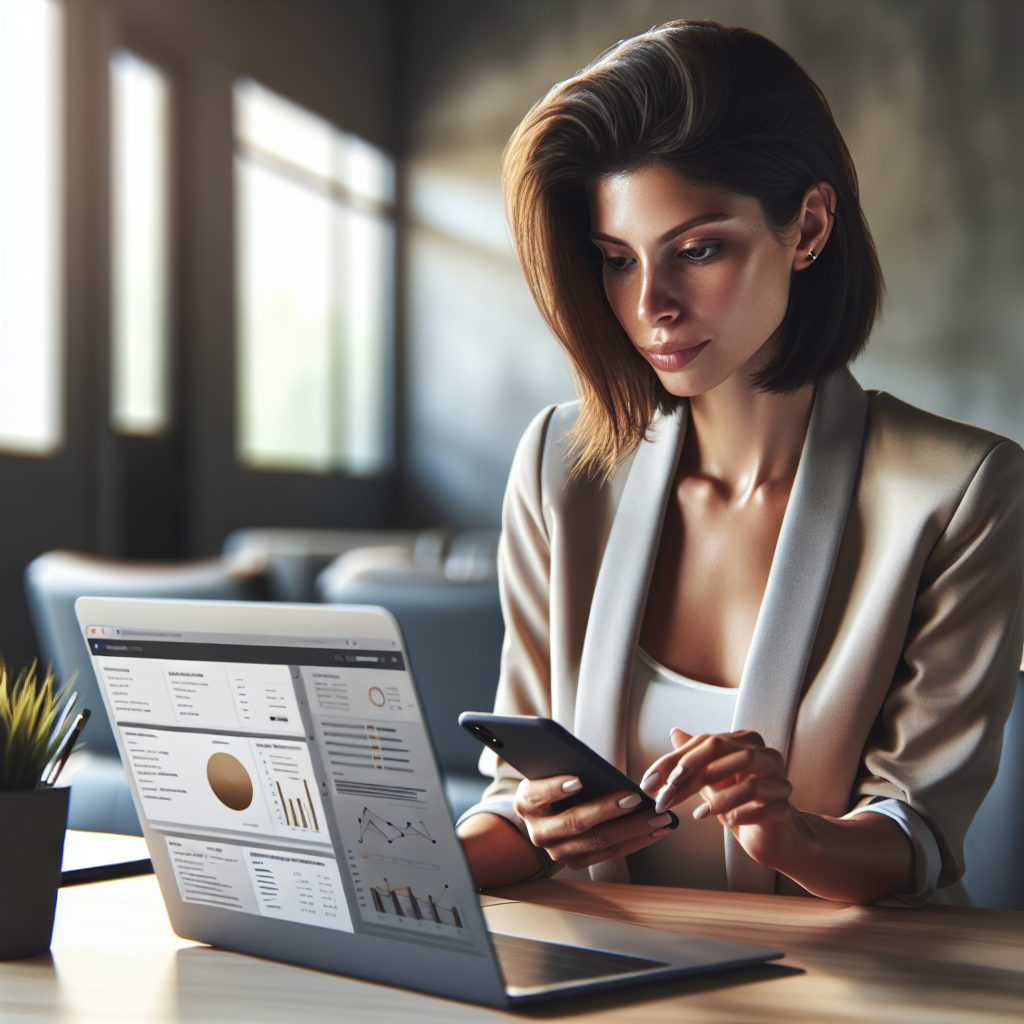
(695, 275)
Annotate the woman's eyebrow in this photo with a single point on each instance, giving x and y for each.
(679, 229)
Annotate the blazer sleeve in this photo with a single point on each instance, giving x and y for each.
(524, 570)
(936, 743)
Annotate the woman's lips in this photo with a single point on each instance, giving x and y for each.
(675, 360)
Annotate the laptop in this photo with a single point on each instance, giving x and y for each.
(293, 808)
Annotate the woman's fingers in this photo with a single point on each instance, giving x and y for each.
(742, 782)
(678, 737)
(745, 798)
(656, 776)
(583, 818)
(651, 782)
(536, 796)
(756, 761)
(692, 760)
(605, 840)
(622, 849)
(549, 830)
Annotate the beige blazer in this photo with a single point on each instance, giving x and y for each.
(885, 654)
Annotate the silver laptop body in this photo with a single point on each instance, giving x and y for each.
(292, 804)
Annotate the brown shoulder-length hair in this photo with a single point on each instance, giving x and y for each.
(721, 106)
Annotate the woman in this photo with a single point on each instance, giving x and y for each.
(791, 608)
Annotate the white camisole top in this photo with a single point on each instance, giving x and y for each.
(693, 855)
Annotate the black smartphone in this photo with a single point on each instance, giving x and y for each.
(540, 748)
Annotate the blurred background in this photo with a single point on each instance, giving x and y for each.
(254, 269)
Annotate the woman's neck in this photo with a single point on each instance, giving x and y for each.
(742, 439)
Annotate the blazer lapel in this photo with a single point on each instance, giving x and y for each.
(812, 528)
(620, 595)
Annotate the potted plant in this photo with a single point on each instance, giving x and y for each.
(35, 727)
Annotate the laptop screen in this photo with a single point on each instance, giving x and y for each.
(288, 778)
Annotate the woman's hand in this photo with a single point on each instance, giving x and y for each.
(855, 860)
(588, 833)
(741, 781)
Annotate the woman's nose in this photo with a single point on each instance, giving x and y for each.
(657, 304)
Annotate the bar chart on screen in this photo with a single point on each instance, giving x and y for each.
(400, 899)
(292, 791)
(228, 783)
(403, 902)
(296, 799)
(399, 861)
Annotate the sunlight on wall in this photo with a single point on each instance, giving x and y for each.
(139, 142)
(315, 258)
(31, 328)
(481, 360)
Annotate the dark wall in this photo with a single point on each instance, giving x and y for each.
(180, 495)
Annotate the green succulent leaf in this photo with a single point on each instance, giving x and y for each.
(34, 722)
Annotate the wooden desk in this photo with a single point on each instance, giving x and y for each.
(115, 959)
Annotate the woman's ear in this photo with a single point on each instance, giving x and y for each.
(817, 215)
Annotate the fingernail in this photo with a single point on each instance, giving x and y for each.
(661, 832)
(572, 786)
(650, 780)
(664, 799)
(630, 801)
(659, 820)
(677, 773)
(701, 811)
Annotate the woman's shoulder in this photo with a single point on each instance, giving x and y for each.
(545, 457)
(550, 427)
(894, 421)
(544, 468)
(908, 442)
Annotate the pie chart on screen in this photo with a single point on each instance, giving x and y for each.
(229, 781)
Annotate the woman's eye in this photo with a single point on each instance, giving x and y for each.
(699, 253)
(619, 262)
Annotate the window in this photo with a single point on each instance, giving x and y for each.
(31, 329)
(315, 256)
(139, 142)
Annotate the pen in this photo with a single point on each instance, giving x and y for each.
(52, 763)
(65, 753)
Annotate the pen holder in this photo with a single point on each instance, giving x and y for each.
(32, 824)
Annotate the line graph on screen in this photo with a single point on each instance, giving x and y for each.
(373, 825)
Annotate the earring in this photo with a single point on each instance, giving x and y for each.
(812, 255)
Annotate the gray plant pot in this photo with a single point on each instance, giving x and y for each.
(32, 823)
